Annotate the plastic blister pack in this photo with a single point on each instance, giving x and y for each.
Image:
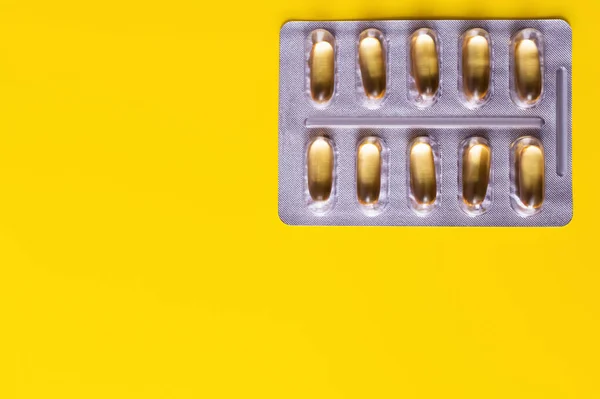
(433, 123)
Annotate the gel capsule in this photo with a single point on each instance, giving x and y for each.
(528, 175)
(476, 66)
(368, 171)
(319, 160)
(423, 174)
(372, 62)
(475, 175)
(528, 77)
(321, 64)
(424, 66)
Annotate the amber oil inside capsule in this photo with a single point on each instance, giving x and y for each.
(368, 171)
(476, 163)
(320, 160)
(476, 65)
(528, 76)
(424, 63)
(530, 175)
(423, 184)
(322, 66)
(372, 63)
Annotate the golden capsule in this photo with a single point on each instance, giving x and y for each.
(322, 71)
(527, 71)
(530, 176)
(371, 59)
(476, 67)
(423, 184)
(476, 162)
(368, 172)
(424, 66)
(319, 160)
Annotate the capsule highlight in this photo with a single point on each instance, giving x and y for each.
(476, 64)
(528, 75)
(321, 64)
(424, 66)
(475, 178)
(529, 180)
(368, 171)
(320, 161)
(422, 176)
(372, 63)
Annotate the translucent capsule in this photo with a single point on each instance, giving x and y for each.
(423, 175)
(321, 66)
(475, 66)
(320, 174)
(527, 68)
(424, 68)
(371, 175)
(368, 173)
(528, 181)
(320, 169)
(372, 64)
(475, 176)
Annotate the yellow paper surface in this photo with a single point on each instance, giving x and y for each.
(141, 254)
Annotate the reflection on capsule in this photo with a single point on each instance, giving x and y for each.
(319, 161)
(528, 75)
(530, 176)
(372, 62)
(368, 171)
(476, 163)
(424, 65)
(423, 185)
(322, 71)
(476, 65)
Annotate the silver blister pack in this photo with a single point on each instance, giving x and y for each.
(425, 123)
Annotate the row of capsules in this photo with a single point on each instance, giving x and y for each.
(475, 61)
(475, 175)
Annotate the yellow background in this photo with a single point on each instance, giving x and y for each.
(141, 254)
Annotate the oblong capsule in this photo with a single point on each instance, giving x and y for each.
(528, 77)
(319, 165)
(530, 176)
(476, 166)
(423, 179)
(321, 64)
(372, 63)
(368, 171)
(424, 63)
(476, 65)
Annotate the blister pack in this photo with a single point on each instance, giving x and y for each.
(425, 123)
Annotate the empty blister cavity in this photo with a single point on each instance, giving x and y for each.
(371, 68)
(527, 68)
(475, 66)
(528, 177)
(321, 67)
(424, 65)
(475, 176)
(320, 175)
(372, 175)
(424, 175)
